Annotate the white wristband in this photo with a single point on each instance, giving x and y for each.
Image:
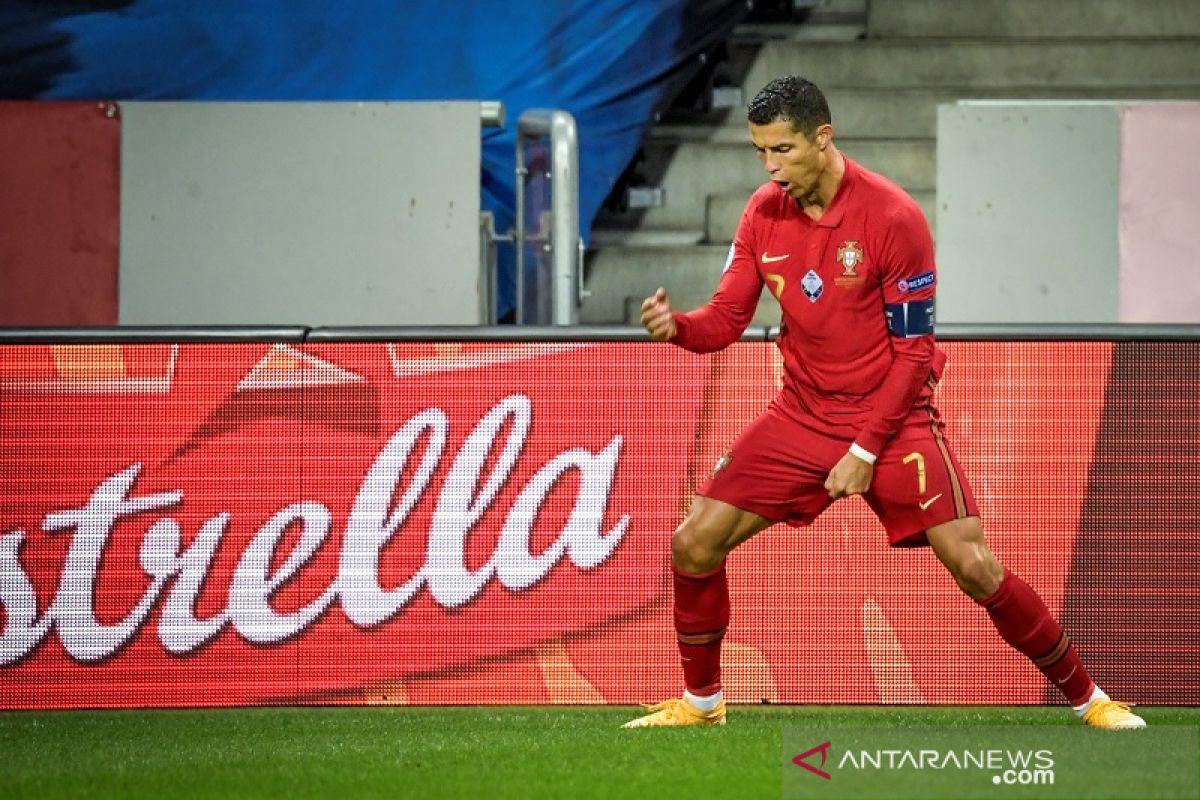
(864, 454)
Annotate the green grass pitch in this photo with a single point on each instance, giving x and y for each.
(438, 752)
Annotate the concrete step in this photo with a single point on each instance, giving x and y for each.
(832, 20)
(911, 112)
(833, 7)
(689, 171)
(620, 278)
(725, 212)
(723, 215)
(973, 63)
(644, 237)
(834, 31)
(1034, 19)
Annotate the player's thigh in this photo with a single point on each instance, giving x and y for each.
(714, 525)
(918, 482)
(775, 469)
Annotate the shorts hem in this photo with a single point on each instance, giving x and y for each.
(908, 540)
(918, 538)
(753, 508)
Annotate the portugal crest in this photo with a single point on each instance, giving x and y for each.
(850, 256)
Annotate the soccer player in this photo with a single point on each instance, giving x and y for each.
(849, 256)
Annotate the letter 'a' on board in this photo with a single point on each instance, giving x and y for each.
(911, 319)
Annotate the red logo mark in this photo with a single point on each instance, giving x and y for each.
(800, 762)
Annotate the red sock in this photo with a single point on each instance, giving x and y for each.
(701, 616)
(1023, 621)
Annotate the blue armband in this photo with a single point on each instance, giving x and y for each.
(911, 319)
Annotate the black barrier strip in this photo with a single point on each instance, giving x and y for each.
(495, 333)
(1065, 332)
(500, 333)
(297, 334)
(578, 333)
(618, 333)
(138, 334)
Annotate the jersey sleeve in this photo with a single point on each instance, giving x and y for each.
(722, 321)
(909, 280)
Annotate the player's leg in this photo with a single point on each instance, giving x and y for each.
(1023, 620)
(711, 530)
(775, 471)
(1018, 612)
(919, 486)
(701, 608)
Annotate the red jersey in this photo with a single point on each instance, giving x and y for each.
(856, 288)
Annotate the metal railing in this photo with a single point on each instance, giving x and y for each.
(552, 238)
(556, 239)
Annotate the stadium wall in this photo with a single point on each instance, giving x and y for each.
(1079, 213)
(306, 521)
(613, 64)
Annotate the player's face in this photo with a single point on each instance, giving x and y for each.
(790, 158)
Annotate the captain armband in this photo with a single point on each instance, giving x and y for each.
(911, 319)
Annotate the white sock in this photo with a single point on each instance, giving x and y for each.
(1097, 694)
(706, 703)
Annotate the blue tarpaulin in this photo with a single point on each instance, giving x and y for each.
(611, 63)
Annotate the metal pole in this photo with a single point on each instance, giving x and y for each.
(491, 115)
(519, 313)
(565, 202)
(566, 276)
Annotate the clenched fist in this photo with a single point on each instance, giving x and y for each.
(849, 476)
(657, 318)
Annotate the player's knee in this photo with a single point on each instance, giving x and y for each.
(978, 575)
(692, 550)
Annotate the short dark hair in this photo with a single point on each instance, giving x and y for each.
(790, 98)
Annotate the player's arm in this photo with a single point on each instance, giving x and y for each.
(909, 285)
(723, 320)
(909, 280)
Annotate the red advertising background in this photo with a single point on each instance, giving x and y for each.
(464, 522)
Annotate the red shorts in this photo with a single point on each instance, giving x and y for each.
(778, 466)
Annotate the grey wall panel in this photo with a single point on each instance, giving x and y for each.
(309, 213)
(1027, 212)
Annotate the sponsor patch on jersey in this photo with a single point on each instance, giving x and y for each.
(812, 285)
(917, 282)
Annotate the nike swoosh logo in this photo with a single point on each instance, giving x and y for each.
(929, 502)
(769, 259)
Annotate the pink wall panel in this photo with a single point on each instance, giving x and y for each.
(59, 213)
(1159, 237)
